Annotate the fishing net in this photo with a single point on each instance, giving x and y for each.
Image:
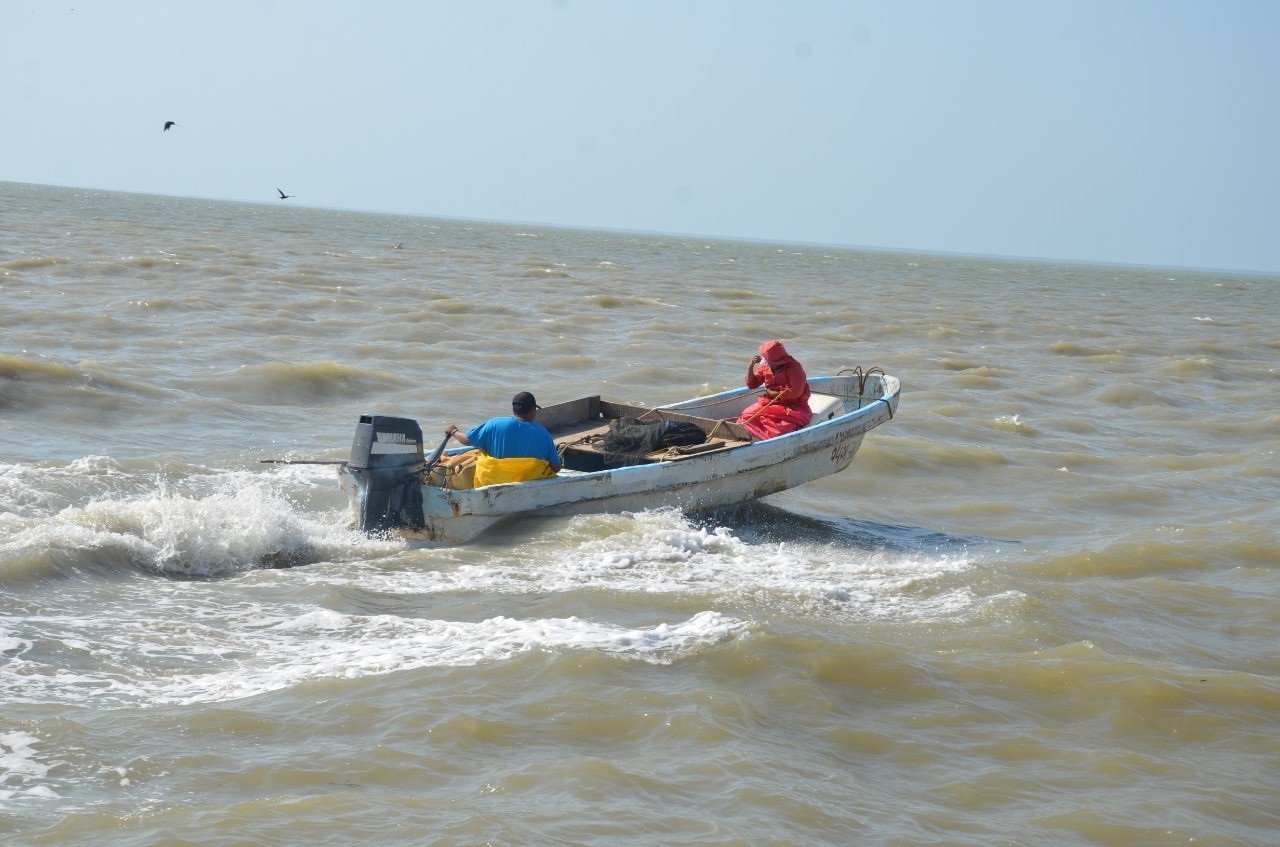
(629, 439)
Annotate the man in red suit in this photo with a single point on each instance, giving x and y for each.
(784, 405)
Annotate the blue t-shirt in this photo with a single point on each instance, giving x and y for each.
(512, 438)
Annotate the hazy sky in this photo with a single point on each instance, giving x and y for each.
(1116, 131)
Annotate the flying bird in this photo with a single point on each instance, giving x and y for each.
(168, 124)
(284, 196)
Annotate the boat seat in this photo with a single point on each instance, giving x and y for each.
(825, 407)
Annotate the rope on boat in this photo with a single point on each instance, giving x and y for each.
(586, 439)
(683, 407)
(862, 376)
(856, 370)
(683, 410)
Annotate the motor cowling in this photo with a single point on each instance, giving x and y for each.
(385, 468)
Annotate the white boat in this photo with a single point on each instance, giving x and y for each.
(391, 488)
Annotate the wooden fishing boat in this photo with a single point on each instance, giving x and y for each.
(393, 488)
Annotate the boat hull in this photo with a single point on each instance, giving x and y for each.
(454, 519)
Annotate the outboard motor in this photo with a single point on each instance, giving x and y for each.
(385, 466)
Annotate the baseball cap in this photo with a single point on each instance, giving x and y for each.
(523, 403)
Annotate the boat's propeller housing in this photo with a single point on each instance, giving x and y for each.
(385, 472)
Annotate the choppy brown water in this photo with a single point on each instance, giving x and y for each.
(1040, 607)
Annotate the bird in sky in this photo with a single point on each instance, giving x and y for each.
(168, 124)
(284, 196)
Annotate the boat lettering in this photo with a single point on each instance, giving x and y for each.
(393, 437)
(842, 449)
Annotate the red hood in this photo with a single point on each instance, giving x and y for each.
(774, 353)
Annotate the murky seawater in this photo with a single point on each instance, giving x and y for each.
(1039, 608)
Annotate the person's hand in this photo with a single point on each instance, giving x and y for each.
(756, 359)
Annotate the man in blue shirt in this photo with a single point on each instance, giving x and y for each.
(512, 449)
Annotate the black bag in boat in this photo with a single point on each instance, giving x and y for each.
(682, 434)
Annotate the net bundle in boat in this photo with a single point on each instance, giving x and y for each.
(629, 439)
